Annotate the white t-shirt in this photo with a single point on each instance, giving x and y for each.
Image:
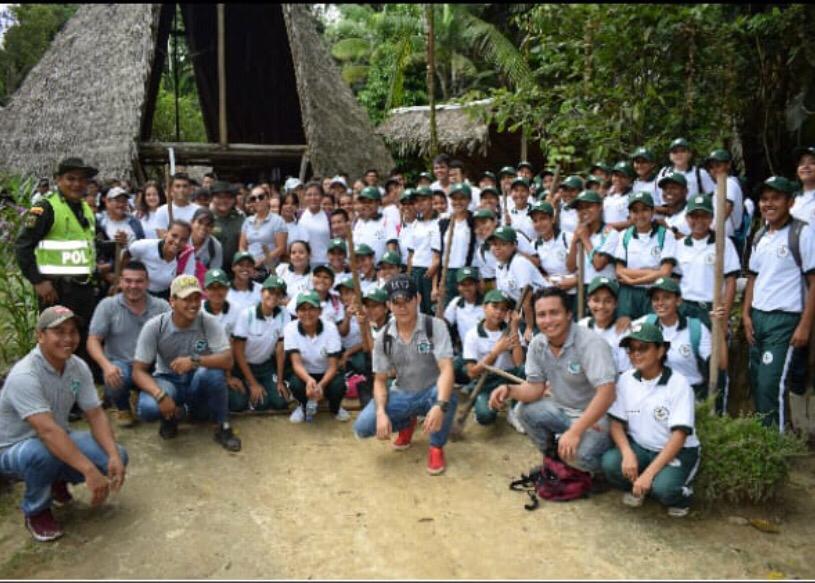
(695, 263)
(513, 276)
(354, 336)
(803, 208)
(112, 227)
(460, 245)
(479, 342)
(261, 333)
(463, 315)
(651, 187)
(734, 195)
(681, 357)
(679, 221)
(568, 219)
(376, 233)
(406, 240)
(318, 230)
(226, 318)
(183, 213)
(161, 273)
(149, 224)
(644, 251)
(552, 254)
(605, 242)
(296, 283)
(653, 409)
(611, 337)
(314, 350)
(393, 216)
(241, 300)
(426, 239)
(521, 221)
(615, 208)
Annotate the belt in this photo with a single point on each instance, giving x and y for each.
(73, 279)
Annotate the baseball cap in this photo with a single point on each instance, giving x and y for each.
(375, 294)
(483, 214)
(780, 184)
(276, 283)
(222, 186)
(644, 332)
(496, 296)
(507, 171)
(339, 180)
(700, 202)
(719, 155)
(602, 166)
(216, 276)
(337, 243)
(625, 168)
(504, 233)
(53, 316)
(465, 273)
(676, 178)
(69, 164)
(363, 249)
(573, 181)
(679, 143)
(665, 284)
(586, 196)
(525, 164)
(489, 190)
(542, 207)
(426, 176)
(184, 286)
(422, 191)
(461, 188)
(488, 174)
(116, 192)
(643, 197)
(520, 181)
(643, 153)
(370, 193)
(391, 258)
(408, 195)
(241, 255)
(401, 287)
(347, 282)
(292, 183)
(324, 269)
(311, 298)
(600, 281)
(204, 213)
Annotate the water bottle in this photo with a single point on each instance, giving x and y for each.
(311, 410)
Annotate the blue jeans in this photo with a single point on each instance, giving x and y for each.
(121, 396)
(203, 393)
(544, 418)
(29, 460)
(402, 407)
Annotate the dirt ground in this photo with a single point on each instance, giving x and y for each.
(311, 501)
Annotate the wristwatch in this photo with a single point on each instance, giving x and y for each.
(443, 405)
(196, 360)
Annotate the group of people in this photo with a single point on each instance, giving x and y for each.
(228, 301)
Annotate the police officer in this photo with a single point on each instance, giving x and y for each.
(56, 251)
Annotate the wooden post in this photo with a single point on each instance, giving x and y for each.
(523, 145)
(431, 78)
(367, 338)
(718, 274)
(581, 279)
(222, 136)
(443, 290)
(169, 186)
(303, 166)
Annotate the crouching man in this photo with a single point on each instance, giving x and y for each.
(192, 353)
(580, 370)
(36, 443)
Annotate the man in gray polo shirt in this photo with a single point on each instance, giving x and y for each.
(418, 348)
(116, 322)
(36, 442)
(579, 367)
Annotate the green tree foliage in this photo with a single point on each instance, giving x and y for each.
(31, 30)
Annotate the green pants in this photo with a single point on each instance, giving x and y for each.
(334, 392)
(483, 414)
(633, 302)
(452, 287)
(770, 355)
(698, 310)
(671, 486)
(265, 375)
(359, 364)
(425, 287)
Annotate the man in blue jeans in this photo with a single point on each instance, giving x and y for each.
(192, 353)
(36, 442)
(418, 348)
(116, 324)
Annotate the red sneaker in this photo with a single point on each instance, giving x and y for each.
(43, 526)
(435, 460)
(60, 495)
(402, 440)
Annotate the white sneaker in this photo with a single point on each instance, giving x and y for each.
(342, 415)
(633, 501)
(512, 419)
(675, 512)
(298, 415)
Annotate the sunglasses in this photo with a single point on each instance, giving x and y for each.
(256, 198)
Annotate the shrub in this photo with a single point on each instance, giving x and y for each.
(742, 461)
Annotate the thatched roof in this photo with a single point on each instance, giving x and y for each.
(87, 97)
(460, 129)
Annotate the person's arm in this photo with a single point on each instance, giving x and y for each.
(651, 275)
(476, 368)
(239, 354)
(675, 444)
(111, 372)
(329, 374)
(729, 293)
(800, 337)
(344, 325)
(383, 422)
(747, 302)
(299, 369)
(243, 244)
(280, 242)
(103, 435)
(434, 264)
(596, 409)
(528, 392)
(444, 384)
(280, 357)
(630, 465)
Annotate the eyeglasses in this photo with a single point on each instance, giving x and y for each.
(256, 198)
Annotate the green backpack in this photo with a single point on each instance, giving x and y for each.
(695, 331)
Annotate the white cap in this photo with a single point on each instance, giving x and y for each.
(292, 183)
(339, 180)
(115, 192)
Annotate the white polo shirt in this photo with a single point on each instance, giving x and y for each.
(392, 216)
(779, 284)
(296, 283)
(333, 310)
(262, 232)
(183, 213)
(568, 219)
(552, 254)
(803, 208)
(460, 245)
(375, 233)
(681, 357)
(313, 350)
(479, 342)
(612, 338)
(653, 409)
(112, 227)
(244, 299)
(708, 184)
(522, 222)
(679, 221)
(604, 241)
(227, 317)
(649, 186)
(695, 259)
(484, 260)
(517, 273)
(463, 315)
(426, 239)
(644, 251)
(406, 240)
(260, 332)
(734, 195)
(317, 227)
(161, 273)
(354, 335)
(615, 208)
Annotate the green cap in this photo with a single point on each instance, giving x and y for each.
(391, 258)
(801, 150)
(592, 179)
(375, 294)
(602, 166)
(780, 184)
(422, 191)
(426, 176)
(700, 202)
(408, 195)
(216, 276)
(644, 153)
(679, 143)
(573, 181)
(241, 255)
(603, 281)
(348, 283)
(363, 249)
(311, 298)
(586, 196)
(676, 178)
(461, 188)
(541, 207)
(643, 197)
(337, 243)
(465, 273)
(507, 171)
(665, 284)
(371, 193)
(520, 181)
(496, 296)
(624, 167)
(483, 214)
(490, 190)
(719, 155)
(324, 269)
(644, 332)
(504, 233)
(488, 174)
(276, 283)
(546, 172)
(525, 164)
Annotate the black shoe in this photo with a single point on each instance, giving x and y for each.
(168, 428)
(227, 439)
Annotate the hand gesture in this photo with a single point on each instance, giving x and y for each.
(498, 397)
(383, 425)
(283, 390)
(433, 420)
(747, 323)
(112, 376)
(642, 485)
(719, 313)
(181, 365)
(800, 337)
(630, 466)
(167, 407)
(121, 238)
(98, 485)
(503, 344)
(46, 292)
(567, 445)
(528, 334)
(256, 393)
(116, 473)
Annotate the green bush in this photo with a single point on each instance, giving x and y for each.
(742, 461)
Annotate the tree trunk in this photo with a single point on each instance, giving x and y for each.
(431, 81)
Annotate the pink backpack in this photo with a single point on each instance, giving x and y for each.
(554, 481)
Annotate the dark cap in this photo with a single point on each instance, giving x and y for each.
(203, 213)
(401, 286)
(70, 164)
(644, 332)
(222, 186)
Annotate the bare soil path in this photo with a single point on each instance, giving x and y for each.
(311, 501)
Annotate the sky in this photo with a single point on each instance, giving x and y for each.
(2, 23)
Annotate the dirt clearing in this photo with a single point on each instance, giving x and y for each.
(311, 501)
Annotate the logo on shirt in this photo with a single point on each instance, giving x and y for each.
(684, 350)
(424, 347)
(574, 367)
(767, 357)
(75, 386)
(200, 346)
(324, 352)
(380, 234)
(561, 254)
(783, 251)
(661, 413)
(710, 259)
(655, 251)
(511, 283)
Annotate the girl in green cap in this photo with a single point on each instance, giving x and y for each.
(681, 160)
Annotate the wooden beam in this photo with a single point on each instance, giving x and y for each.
(206, 154)
(222, 76)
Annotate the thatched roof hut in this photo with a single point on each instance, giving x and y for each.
(93, 94)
